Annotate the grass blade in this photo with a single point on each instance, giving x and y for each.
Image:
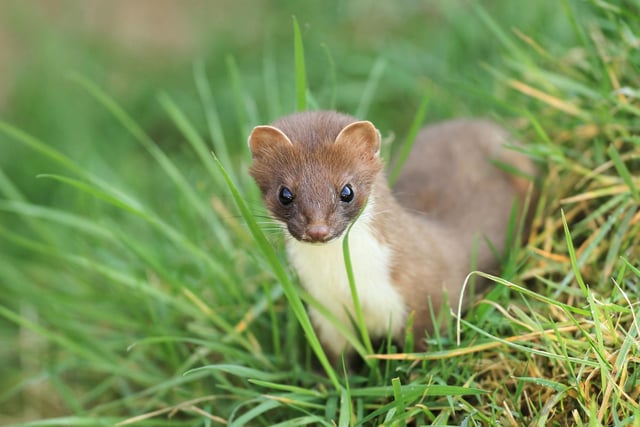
(370, 88)
(416, 124)
(213, 120)
(345, 409)
(300, 70)
(280, 273)
(623, 171)
(240, 100)
(364, 333)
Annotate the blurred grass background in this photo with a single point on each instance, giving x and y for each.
(135, 50)
(81, 279)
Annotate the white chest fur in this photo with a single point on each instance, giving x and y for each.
(322, 271)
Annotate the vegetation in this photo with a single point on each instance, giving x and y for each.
(142, 284)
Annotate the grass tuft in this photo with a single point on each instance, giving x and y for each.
(141, 288)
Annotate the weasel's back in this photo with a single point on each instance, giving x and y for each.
(451, 177)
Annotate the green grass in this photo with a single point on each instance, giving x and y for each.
(142, 283)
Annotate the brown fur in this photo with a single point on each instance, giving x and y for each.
(452, 187)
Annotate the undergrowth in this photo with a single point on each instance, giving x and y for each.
(180, 309)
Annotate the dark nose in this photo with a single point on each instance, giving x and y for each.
(317, 232)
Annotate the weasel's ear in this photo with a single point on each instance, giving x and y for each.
(363, 136)
(266, 138)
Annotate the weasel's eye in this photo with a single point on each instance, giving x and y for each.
(285, 196)
(346, 194)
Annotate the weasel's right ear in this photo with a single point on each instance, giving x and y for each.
(362, 135)
(264, 139)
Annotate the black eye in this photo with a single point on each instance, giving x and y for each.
(346, 194)
(285, 196)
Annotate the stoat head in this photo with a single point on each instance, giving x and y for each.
(315, 171)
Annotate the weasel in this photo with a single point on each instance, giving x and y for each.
(411, 244)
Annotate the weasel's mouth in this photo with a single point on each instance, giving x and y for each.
(316, 241)
(315, 234)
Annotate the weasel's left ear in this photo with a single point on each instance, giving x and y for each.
(264, 139)
(363, 136)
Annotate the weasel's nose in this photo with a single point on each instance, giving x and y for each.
(317, 232)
